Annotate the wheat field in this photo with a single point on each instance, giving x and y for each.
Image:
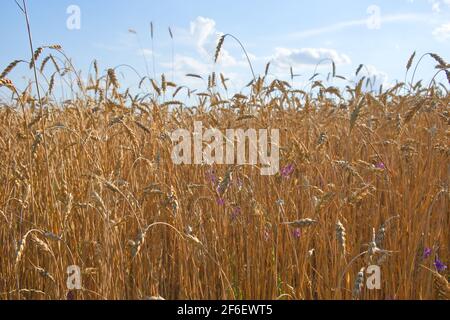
(90, 182)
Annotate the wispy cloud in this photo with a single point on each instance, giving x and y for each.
(442, 33)
(285, 58)
(384, 19)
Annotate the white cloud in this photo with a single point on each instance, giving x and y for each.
(442, 33)
(199, 43)
(436, 5)
(204, 34)
(186, 64)
(285, 58)
(203, 31)
(183, 65)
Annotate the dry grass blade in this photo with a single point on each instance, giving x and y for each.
(192, 75)
(301, 223)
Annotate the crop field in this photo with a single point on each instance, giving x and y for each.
(90, 183)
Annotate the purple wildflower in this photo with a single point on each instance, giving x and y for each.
(380, 165)
(427, 253)
(220, 201)
(70, 295)
(297, 233)
(287, 171)
(236, 212)
(440, 266)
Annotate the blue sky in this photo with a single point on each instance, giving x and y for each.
(380, 34)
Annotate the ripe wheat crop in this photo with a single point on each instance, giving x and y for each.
(364, 180)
